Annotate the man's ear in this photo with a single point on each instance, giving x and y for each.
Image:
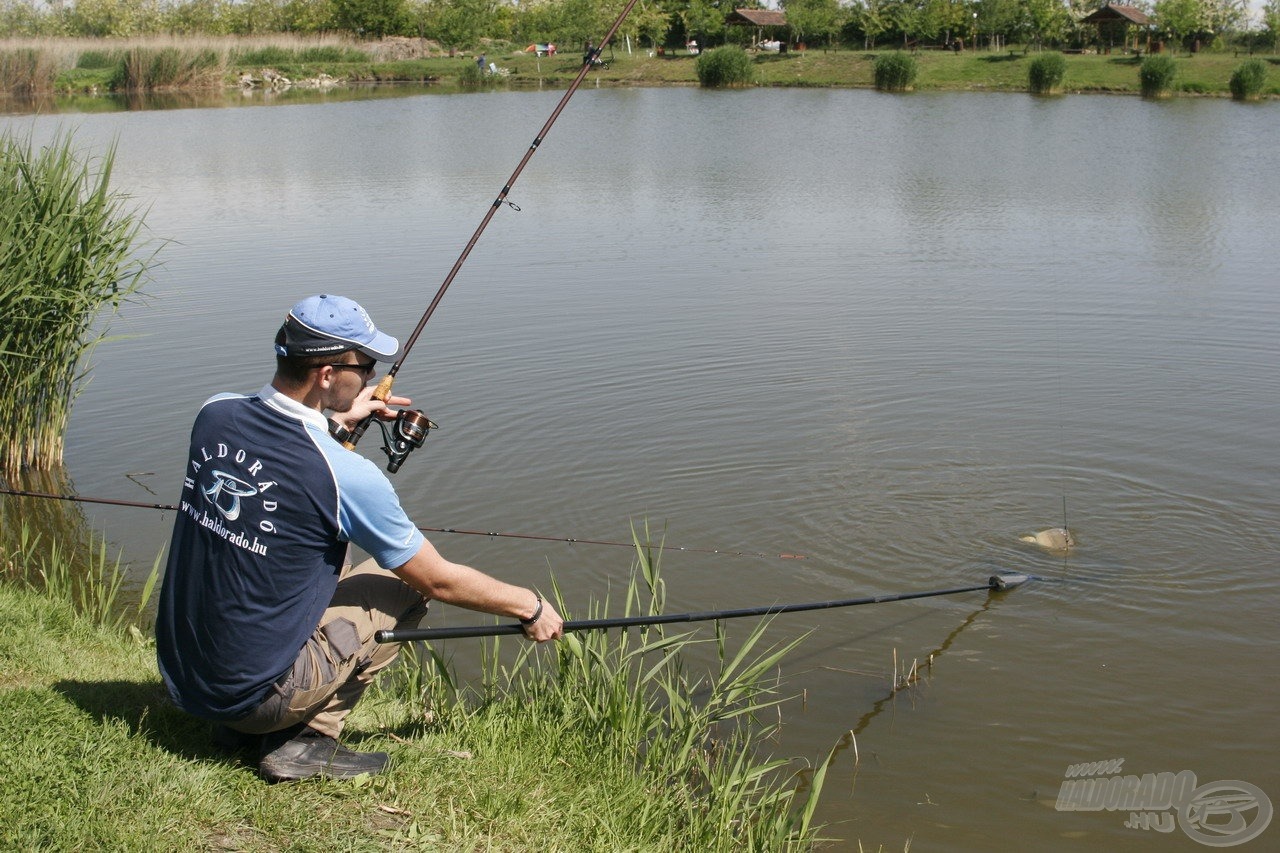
(324, 377)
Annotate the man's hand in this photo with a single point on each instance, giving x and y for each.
(365, 405)
(547, 626)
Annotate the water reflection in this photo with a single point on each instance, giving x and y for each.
(91, 103)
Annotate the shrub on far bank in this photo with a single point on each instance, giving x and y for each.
(471, 76)
(724, 66)
(26, 71)
(1156, 76)
(147, 69)
(1248, 79)
(894, 72)
(1046, 73)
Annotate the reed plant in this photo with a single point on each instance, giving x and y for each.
(1046, 73)
(1156, 76)
(151, 69)
(92, 587)
(471, 76)
(723, 67)
(894, 72)
(290, 54)
(68, 255)
(47, 546)
(27, 71)
(1248, 80)
(676, 755)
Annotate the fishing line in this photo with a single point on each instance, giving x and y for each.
(1062, 430)
(1062, 426)
(21, 493)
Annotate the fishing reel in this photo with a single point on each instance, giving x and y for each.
(404, 435)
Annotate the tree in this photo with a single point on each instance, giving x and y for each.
(376, 18)
(997, 19)
(1192, 21)
(814, 18)
(308, 16)
(648, 21)
(1045, 20)
(115, 18)
(1271, 20)
(869, 18)
(704, 19)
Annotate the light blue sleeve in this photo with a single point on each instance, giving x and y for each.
(369, 512)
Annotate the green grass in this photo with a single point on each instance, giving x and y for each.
(600, 742)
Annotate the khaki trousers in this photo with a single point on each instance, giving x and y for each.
(340, 659)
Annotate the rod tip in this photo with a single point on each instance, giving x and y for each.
(384, 636)
(1008, 580)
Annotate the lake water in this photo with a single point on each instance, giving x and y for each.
(891, 334)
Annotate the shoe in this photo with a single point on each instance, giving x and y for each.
(231, 742)
(301, 753)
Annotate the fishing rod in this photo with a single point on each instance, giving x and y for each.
(21, 493)
(997, 583)
(411, 430)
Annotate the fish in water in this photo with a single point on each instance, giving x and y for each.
(1053, 539)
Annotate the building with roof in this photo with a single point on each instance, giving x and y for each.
(767, 22)
(1116, 23)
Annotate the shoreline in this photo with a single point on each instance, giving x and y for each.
(80, 69)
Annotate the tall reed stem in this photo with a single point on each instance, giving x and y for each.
(67, 252)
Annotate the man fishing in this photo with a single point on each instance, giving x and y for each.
(263, 627)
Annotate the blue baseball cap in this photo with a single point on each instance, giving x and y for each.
(319, 325)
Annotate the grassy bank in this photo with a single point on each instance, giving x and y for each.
(79, 66)
(595, 744)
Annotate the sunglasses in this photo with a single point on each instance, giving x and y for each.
(367, 369)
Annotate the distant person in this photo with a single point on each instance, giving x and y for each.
(480, 63)
(263, 626)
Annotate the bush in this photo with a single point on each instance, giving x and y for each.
(1248, 79)
(1046, 73)
(894, 72)
(99, 59)
(25, 72)
(471, 75)
(269, 55)
(1156, 76)
(332, 53)
(724, 66)
(146, 69)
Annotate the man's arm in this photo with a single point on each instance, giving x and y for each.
(462, 586)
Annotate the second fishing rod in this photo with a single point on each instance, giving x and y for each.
(410, 428)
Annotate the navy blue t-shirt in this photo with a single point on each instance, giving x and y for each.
(269, 503)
